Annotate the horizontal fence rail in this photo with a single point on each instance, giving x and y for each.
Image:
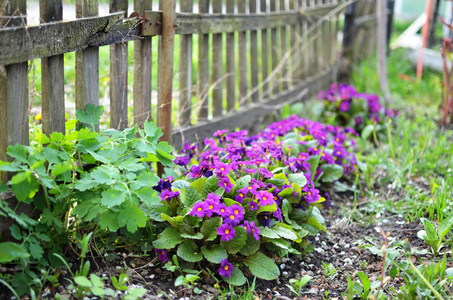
(252, 57)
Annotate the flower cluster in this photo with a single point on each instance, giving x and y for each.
(247, 192)
(344, 106)
(165, 189)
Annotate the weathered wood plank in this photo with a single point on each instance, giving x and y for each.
(185, 72)
(283, 49)
(118, 75)
(217, 79)
(87, 63)
(295, 36)
(247, 116)
(275, 55)
(20, 44)
(242, 59)
(13, 91)
(254, 57)
(142, 71)
(264, 54)
(166, 55)
(230, 63)
(52, 75)
(203, 67)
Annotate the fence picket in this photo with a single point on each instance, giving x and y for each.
(217, 66)
(13, 89)
(254, 57)
(295, 36)
(52, 75)
(118, 75)
(242, 59)
(230, 63)
(283, 49)
(142, 71)
(87, 63)
(264, 53)
(274, 51)
(203, 67)
(185, 71)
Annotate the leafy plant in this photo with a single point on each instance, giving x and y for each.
(343, 105)
(295, 285)
(329, 270)
(435, 237)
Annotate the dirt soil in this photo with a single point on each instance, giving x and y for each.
(341, 247)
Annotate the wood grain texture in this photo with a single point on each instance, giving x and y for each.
(275, 54)
(217, 78)
(166, 56)
(142, 71)
(242, 60)
(87, 63)
(13, 91)
(264, 53)
(118, 75)
(52, 75)
(203, 67)
(283, 50)
(185, 72)
(230, 63)
(254, 56)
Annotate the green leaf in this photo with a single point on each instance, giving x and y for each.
(251, 246)
(300, 215)
(300, 179)
(113, 197)
(25, 185)
(267, 208)
(262, 266)
(233, 246)
(196, 236)
(90, 115)
(209, 228)
(429, 228)
(243, 182)
(149, 196)
(269, 233)
(366, 131)
(164, 149)
(173, 221)
(330, 173)
(189, 196)
(83, 281)
(210, 186)
(189, 251)
(145, 178)
(286, 209)
(215, 254)
(179, 184)
(237, 278)
(109, 220)
(445, 225)
(285, 231)
(133, 217)
(286, 192)
(151, 130)
(131, 165)
(19, 152)
(10, 251)
(85, 183)
(365, 281)
(198, 184)
(168, 239)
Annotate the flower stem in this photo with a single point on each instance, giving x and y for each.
(438, 296)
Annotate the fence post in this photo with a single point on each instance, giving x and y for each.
(217, 66)
(203, 67)
(242, 59)
(118, 75)
(230, 62)
(13, 88)
(52, 75)
(348, 30)
(142, 71)
(166, 52)
(87, 63)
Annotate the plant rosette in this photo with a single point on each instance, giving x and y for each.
(242, 198)
(343, 105)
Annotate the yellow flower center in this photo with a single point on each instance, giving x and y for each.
(210, 207)
(232, 217)
(223, 169)
(264, 198)
(199, 209)
(227, 231)
(226, 268)
(236, 211)
(309, 193)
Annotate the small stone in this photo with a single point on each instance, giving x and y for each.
(285, 274)
(310, 273)
(152, 276)
(285, 259)
(313, 291)
(144, 273)
(158, 270)
(282, 266)
(347, 246)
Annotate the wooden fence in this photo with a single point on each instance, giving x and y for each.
(251, 58)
